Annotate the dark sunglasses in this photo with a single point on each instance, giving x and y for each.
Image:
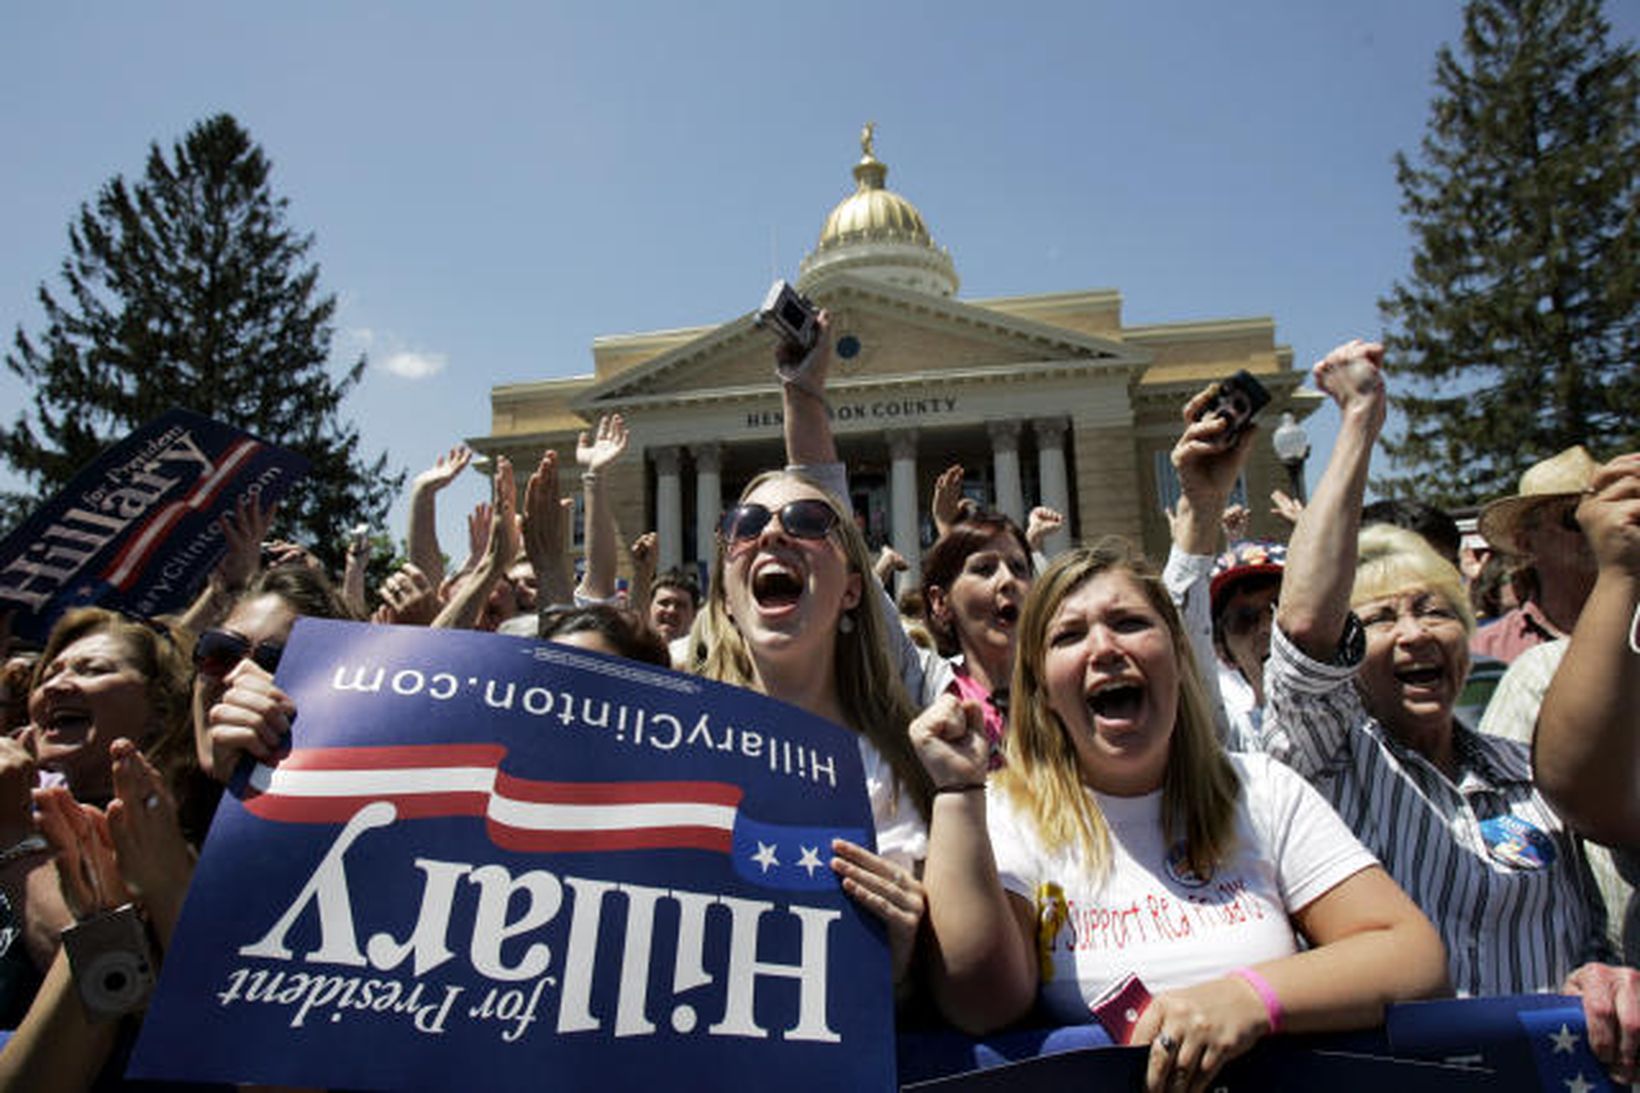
(805, 518)
(217, 651)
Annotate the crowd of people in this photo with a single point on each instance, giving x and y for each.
(1237, 786)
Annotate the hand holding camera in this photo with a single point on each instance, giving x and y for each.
(803, 353)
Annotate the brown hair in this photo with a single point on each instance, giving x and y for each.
(943, 563)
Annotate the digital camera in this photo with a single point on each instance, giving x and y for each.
(1237, 400)
(112, 964)
(790, 317)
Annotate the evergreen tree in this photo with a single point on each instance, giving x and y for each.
(187, 288)
(1520, 321)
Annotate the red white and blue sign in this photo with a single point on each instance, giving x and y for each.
(499, 863)
(138, 528)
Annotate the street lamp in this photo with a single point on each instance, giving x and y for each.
(1292, 445)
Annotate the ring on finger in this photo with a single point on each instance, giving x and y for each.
(151, 801)
(1167, 1043)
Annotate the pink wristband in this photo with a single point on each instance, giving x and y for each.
(1266, 994)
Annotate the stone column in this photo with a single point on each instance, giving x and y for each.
(708, 497)
(1050, 466)
(1010, 495)
(668, 506)
(903, 532)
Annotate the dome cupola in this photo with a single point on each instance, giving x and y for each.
(878, 234)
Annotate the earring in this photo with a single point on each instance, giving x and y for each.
(845, 623)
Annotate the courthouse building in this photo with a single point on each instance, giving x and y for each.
(1044, 399)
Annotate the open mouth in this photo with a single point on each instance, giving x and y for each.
(1117, 701)
(1007, 614)
(1419, 676)
(68, 722)
(775, 586)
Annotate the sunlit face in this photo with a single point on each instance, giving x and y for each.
(784, 593)
(264, 619)
(671, 612)
(1245, 622)
(90, 695)
(1112, 679)
(982, 605)
(1416, 663)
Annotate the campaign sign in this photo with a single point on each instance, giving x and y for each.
(138, 528)
(491, 862)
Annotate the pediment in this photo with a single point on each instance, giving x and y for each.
(900, 333)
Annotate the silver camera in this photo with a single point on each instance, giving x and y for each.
(112, 964)
(790, 317)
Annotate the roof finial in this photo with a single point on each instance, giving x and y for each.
(867, 134)
(870, 172)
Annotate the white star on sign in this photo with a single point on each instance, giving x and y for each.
(1578, 1085)
(765, 855)
(810, 860)
(1565, 1040)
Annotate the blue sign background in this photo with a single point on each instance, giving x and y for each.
(564, 716)
(136, 530)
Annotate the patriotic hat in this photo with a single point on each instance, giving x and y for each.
(1247, 558)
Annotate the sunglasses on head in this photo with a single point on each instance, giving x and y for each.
(218, 651)
(804, 518)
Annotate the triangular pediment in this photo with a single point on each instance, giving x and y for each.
(899, 332)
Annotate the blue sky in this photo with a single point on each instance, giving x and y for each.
(493, 185)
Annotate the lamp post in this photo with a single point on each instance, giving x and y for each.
(1292, 445)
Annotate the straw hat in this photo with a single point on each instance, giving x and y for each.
(1561, 478)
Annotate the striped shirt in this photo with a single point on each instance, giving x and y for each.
(1508, 928)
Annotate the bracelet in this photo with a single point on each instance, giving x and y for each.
(589, 476)
(22, 848)
(1266, 994)
(960, 787)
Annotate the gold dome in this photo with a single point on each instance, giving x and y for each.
(876, 232)
(871, 212)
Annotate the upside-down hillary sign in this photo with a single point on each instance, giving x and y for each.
(139, 527)
(489, 862)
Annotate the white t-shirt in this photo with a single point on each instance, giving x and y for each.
(902, 836)
(1149, 916)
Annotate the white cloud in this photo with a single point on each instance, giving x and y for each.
(414, 366)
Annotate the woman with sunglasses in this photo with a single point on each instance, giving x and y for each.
(794, 613)
(236, 706)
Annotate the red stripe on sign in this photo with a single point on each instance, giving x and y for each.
(336, 810)
(395, 758)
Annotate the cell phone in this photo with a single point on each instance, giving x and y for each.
(1237, 400)
(1118, 1010)
(791, 317)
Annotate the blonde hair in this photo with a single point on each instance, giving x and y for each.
(870, 691)
(1043, 778)
(1393, 560)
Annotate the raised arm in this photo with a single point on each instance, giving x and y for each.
(501, 547)
(546, 533)
(803, 401)
(1315, 590)
(642, 552)
(595, 454)
(423, 532)
(242, 531)
(982, 960)
(1586, 754)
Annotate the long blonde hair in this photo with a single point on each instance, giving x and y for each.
(870, 691)
(1043, 777)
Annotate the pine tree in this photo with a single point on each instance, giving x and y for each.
(187, 288)
(1519, 324)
